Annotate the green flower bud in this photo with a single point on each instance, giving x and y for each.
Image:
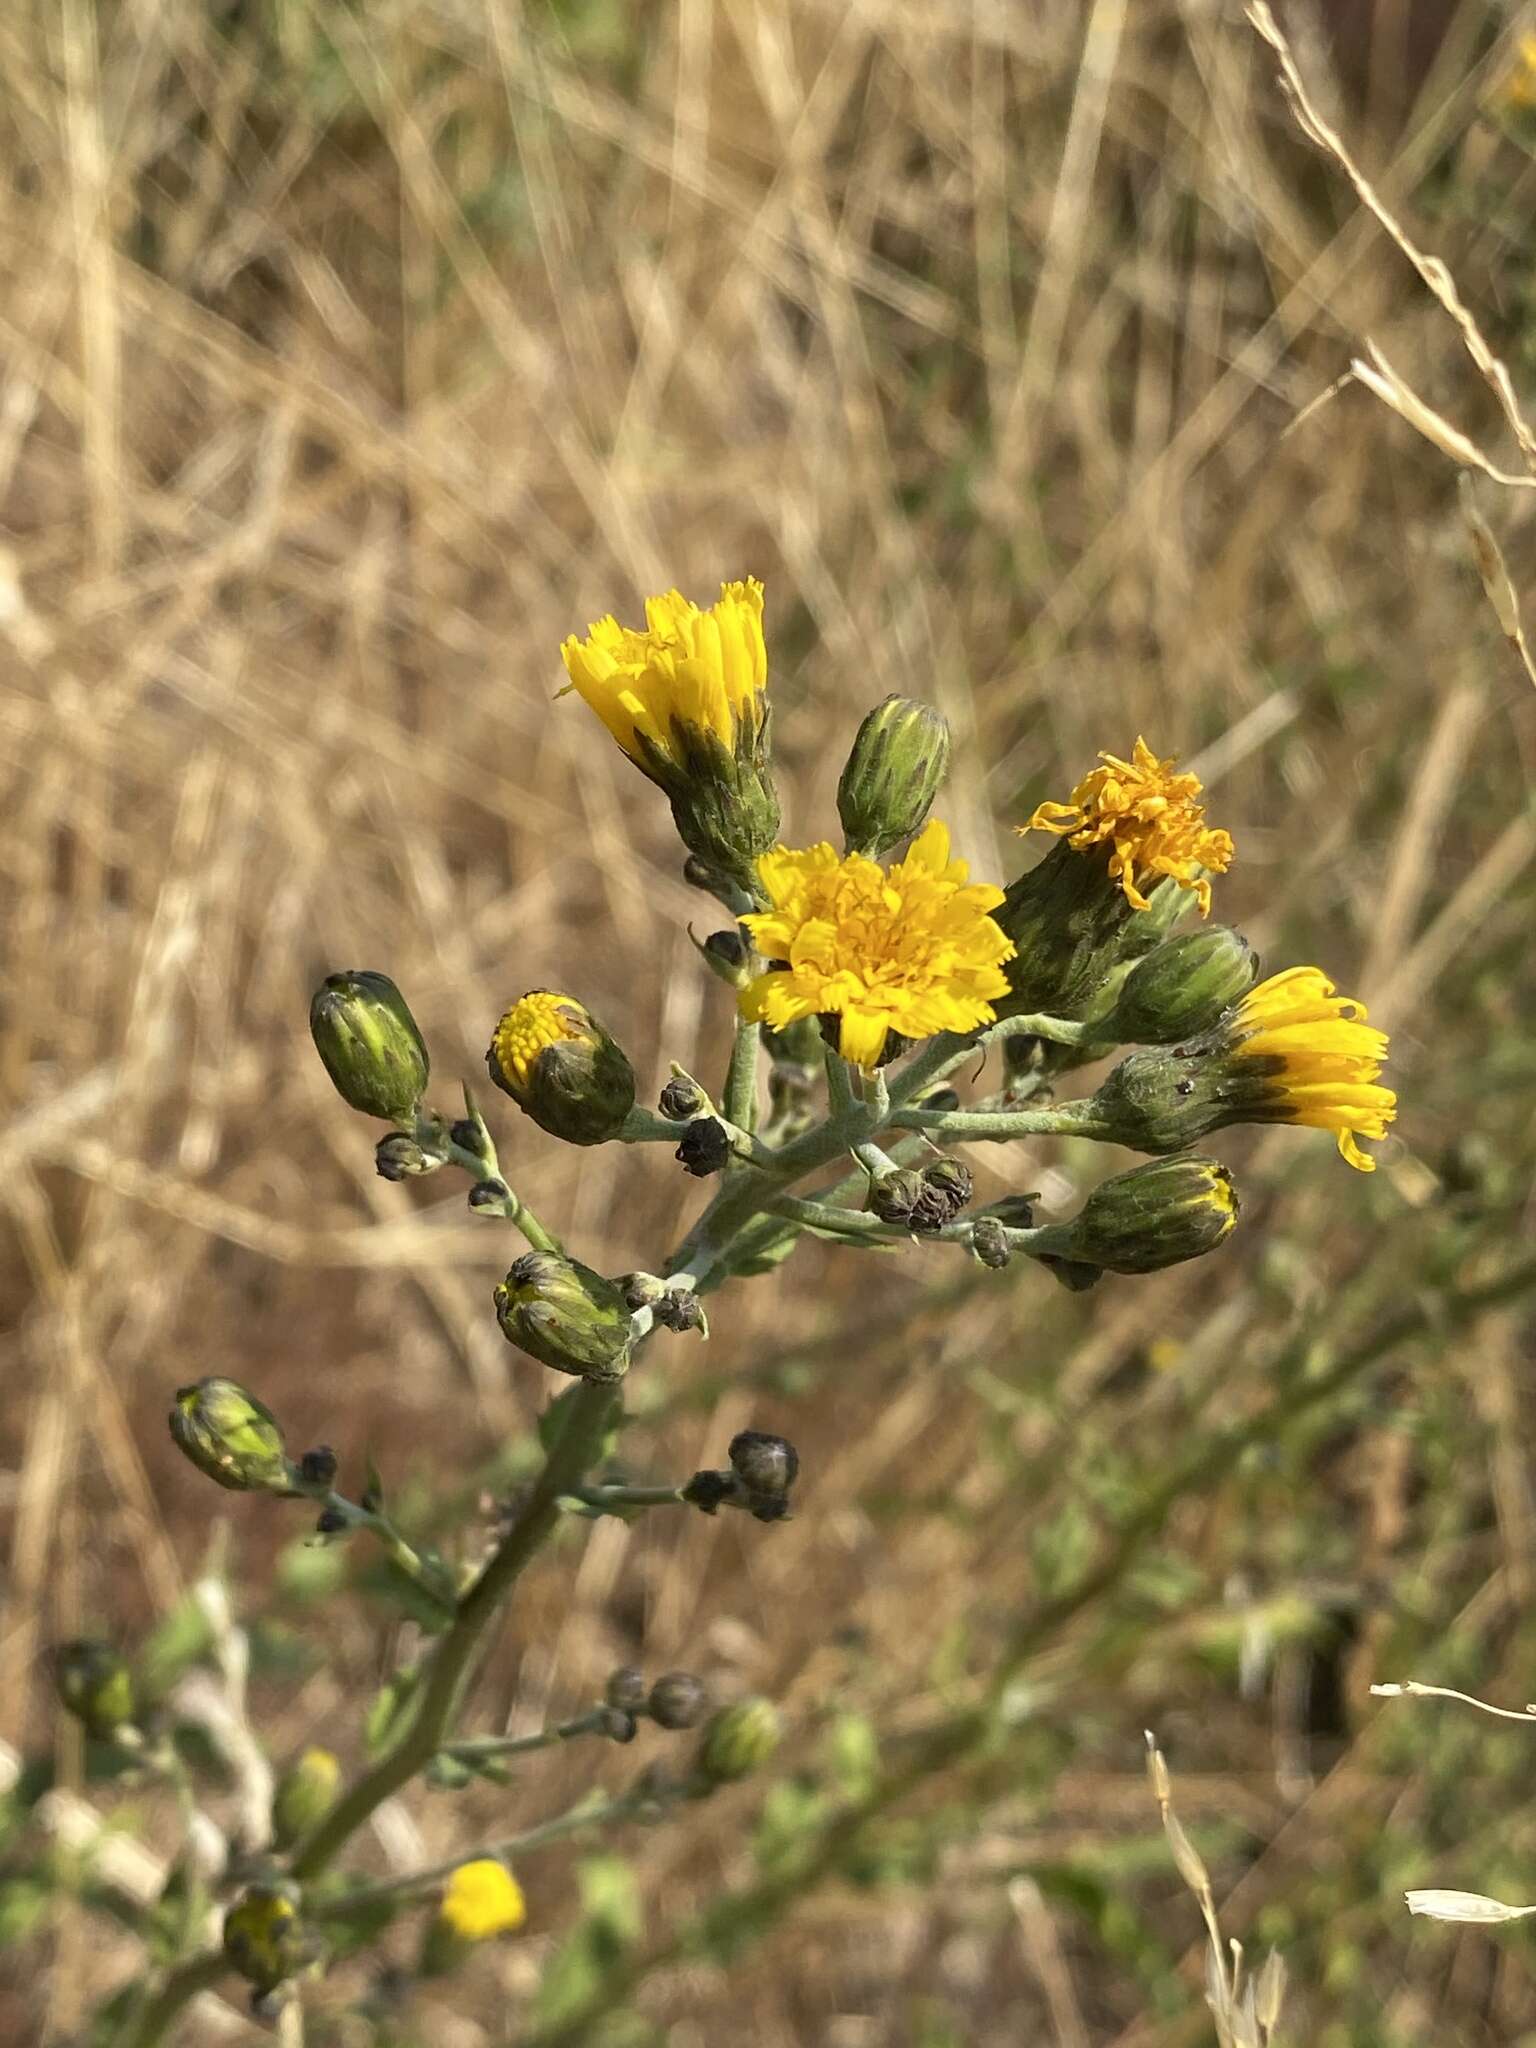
(898, 763)
(264, 1938)
(738, 1740)
(95, 1685)
(369, 1044)
(1183, 988)
(304, 1794)
(228, 1434)
(566, 1316)
(1066, 918)
(1156, 1215)
(557, 1062)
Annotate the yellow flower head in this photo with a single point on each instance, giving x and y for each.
(1516, 90)
(482, 1898)
(542, 1017)
(909, 949)
(708, 670)
(1149, 817)
(1320, 1054)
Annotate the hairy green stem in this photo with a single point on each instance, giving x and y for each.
(485, 1748)
(740, 1104)
(630, 1496)
(1063, 1119)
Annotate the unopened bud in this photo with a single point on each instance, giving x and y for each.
(566, 1316)
(705, 1147)
(228, 1434)
(489, 1194)
(729, 956)
(95, 1685)
(318, 1467)
(948, 1184)
(369, 1044)
(899, 759)
(709, 1491)
(558, 1063)
(618, 1725)
(304, 1794)
(682, 1099)
(738, 1740)
(641, 1290)
(989, 1242)
(1182, 988)
(763, 1463)
(399, 1157)
(1156, 1215)
(894, 1197)
(625, 1689)
(679, 1309)
(264, 1938)
(677, 1700)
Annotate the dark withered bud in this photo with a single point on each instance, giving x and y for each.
(950, 1183)
(763, 1463)
(369, 1044)
(710, 1490)
(625, 1689)
(488, 1194)
(677, 1700)
(318, 1467)
(1071, 1273)
(330, 1522)
(95, 1685)
(641, 1290)
(894, 1197)
(940, 1100)
(557, 1063)
(468, 1135)
(566, 1316)
(1183, 987)
(989, 1242)
(399, 1157)
(1017, 1211)
(682, 1099)
(679, 1309)
(899, 759)
(618, 1725)
(730, 956)
(706, 1147)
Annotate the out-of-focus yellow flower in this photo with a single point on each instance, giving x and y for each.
(482, 1899)
(908, 949)
(707, 669)
(1516, 90)
(1150, 819)
(1324, 1056)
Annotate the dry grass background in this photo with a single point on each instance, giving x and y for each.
(349, 358)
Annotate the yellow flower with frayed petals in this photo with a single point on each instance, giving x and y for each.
(1320, 1056)
(706, 669)
(1148, 817)
(482, 1899)
(909, 949)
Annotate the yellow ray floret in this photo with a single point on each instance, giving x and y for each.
(483, 1898)
(1329, 1057)
(1150, 819)
(707, 669)
(544, 1017)
(909, 949)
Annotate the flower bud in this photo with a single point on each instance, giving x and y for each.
(709, 1491)
(679, 1309)
(1183, 987)
(989, 1242)
(894, 1197)
(625, 1689)
(369, 1044)
(557, 1062)
(399, 1157)
(738, 1740)
(706, 1147)
(1156, 1215)
(304, 1794)
(264, 1938)
(489, 1195)
(618, 1725)
(228, 1434)
(730, 956)
(948, 1184)
(95, 1685)
(682, 1099)
(677, 1700)
(899, 759)
(566, 1316)
(318, 1467)
(764, 1464)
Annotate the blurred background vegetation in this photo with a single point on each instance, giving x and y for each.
(352, 356)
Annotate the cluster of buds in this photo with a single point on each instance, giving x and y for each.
(761, 1471)
(922, 1200)
(676, 1700)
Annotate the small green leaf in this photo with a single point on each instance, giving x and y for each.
(390, 1703)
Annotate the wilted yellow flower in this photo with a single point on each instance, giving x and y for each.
(909, 949)
(691, 667)
(1149, 818)
(1328, 1057)
(482, 1898)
